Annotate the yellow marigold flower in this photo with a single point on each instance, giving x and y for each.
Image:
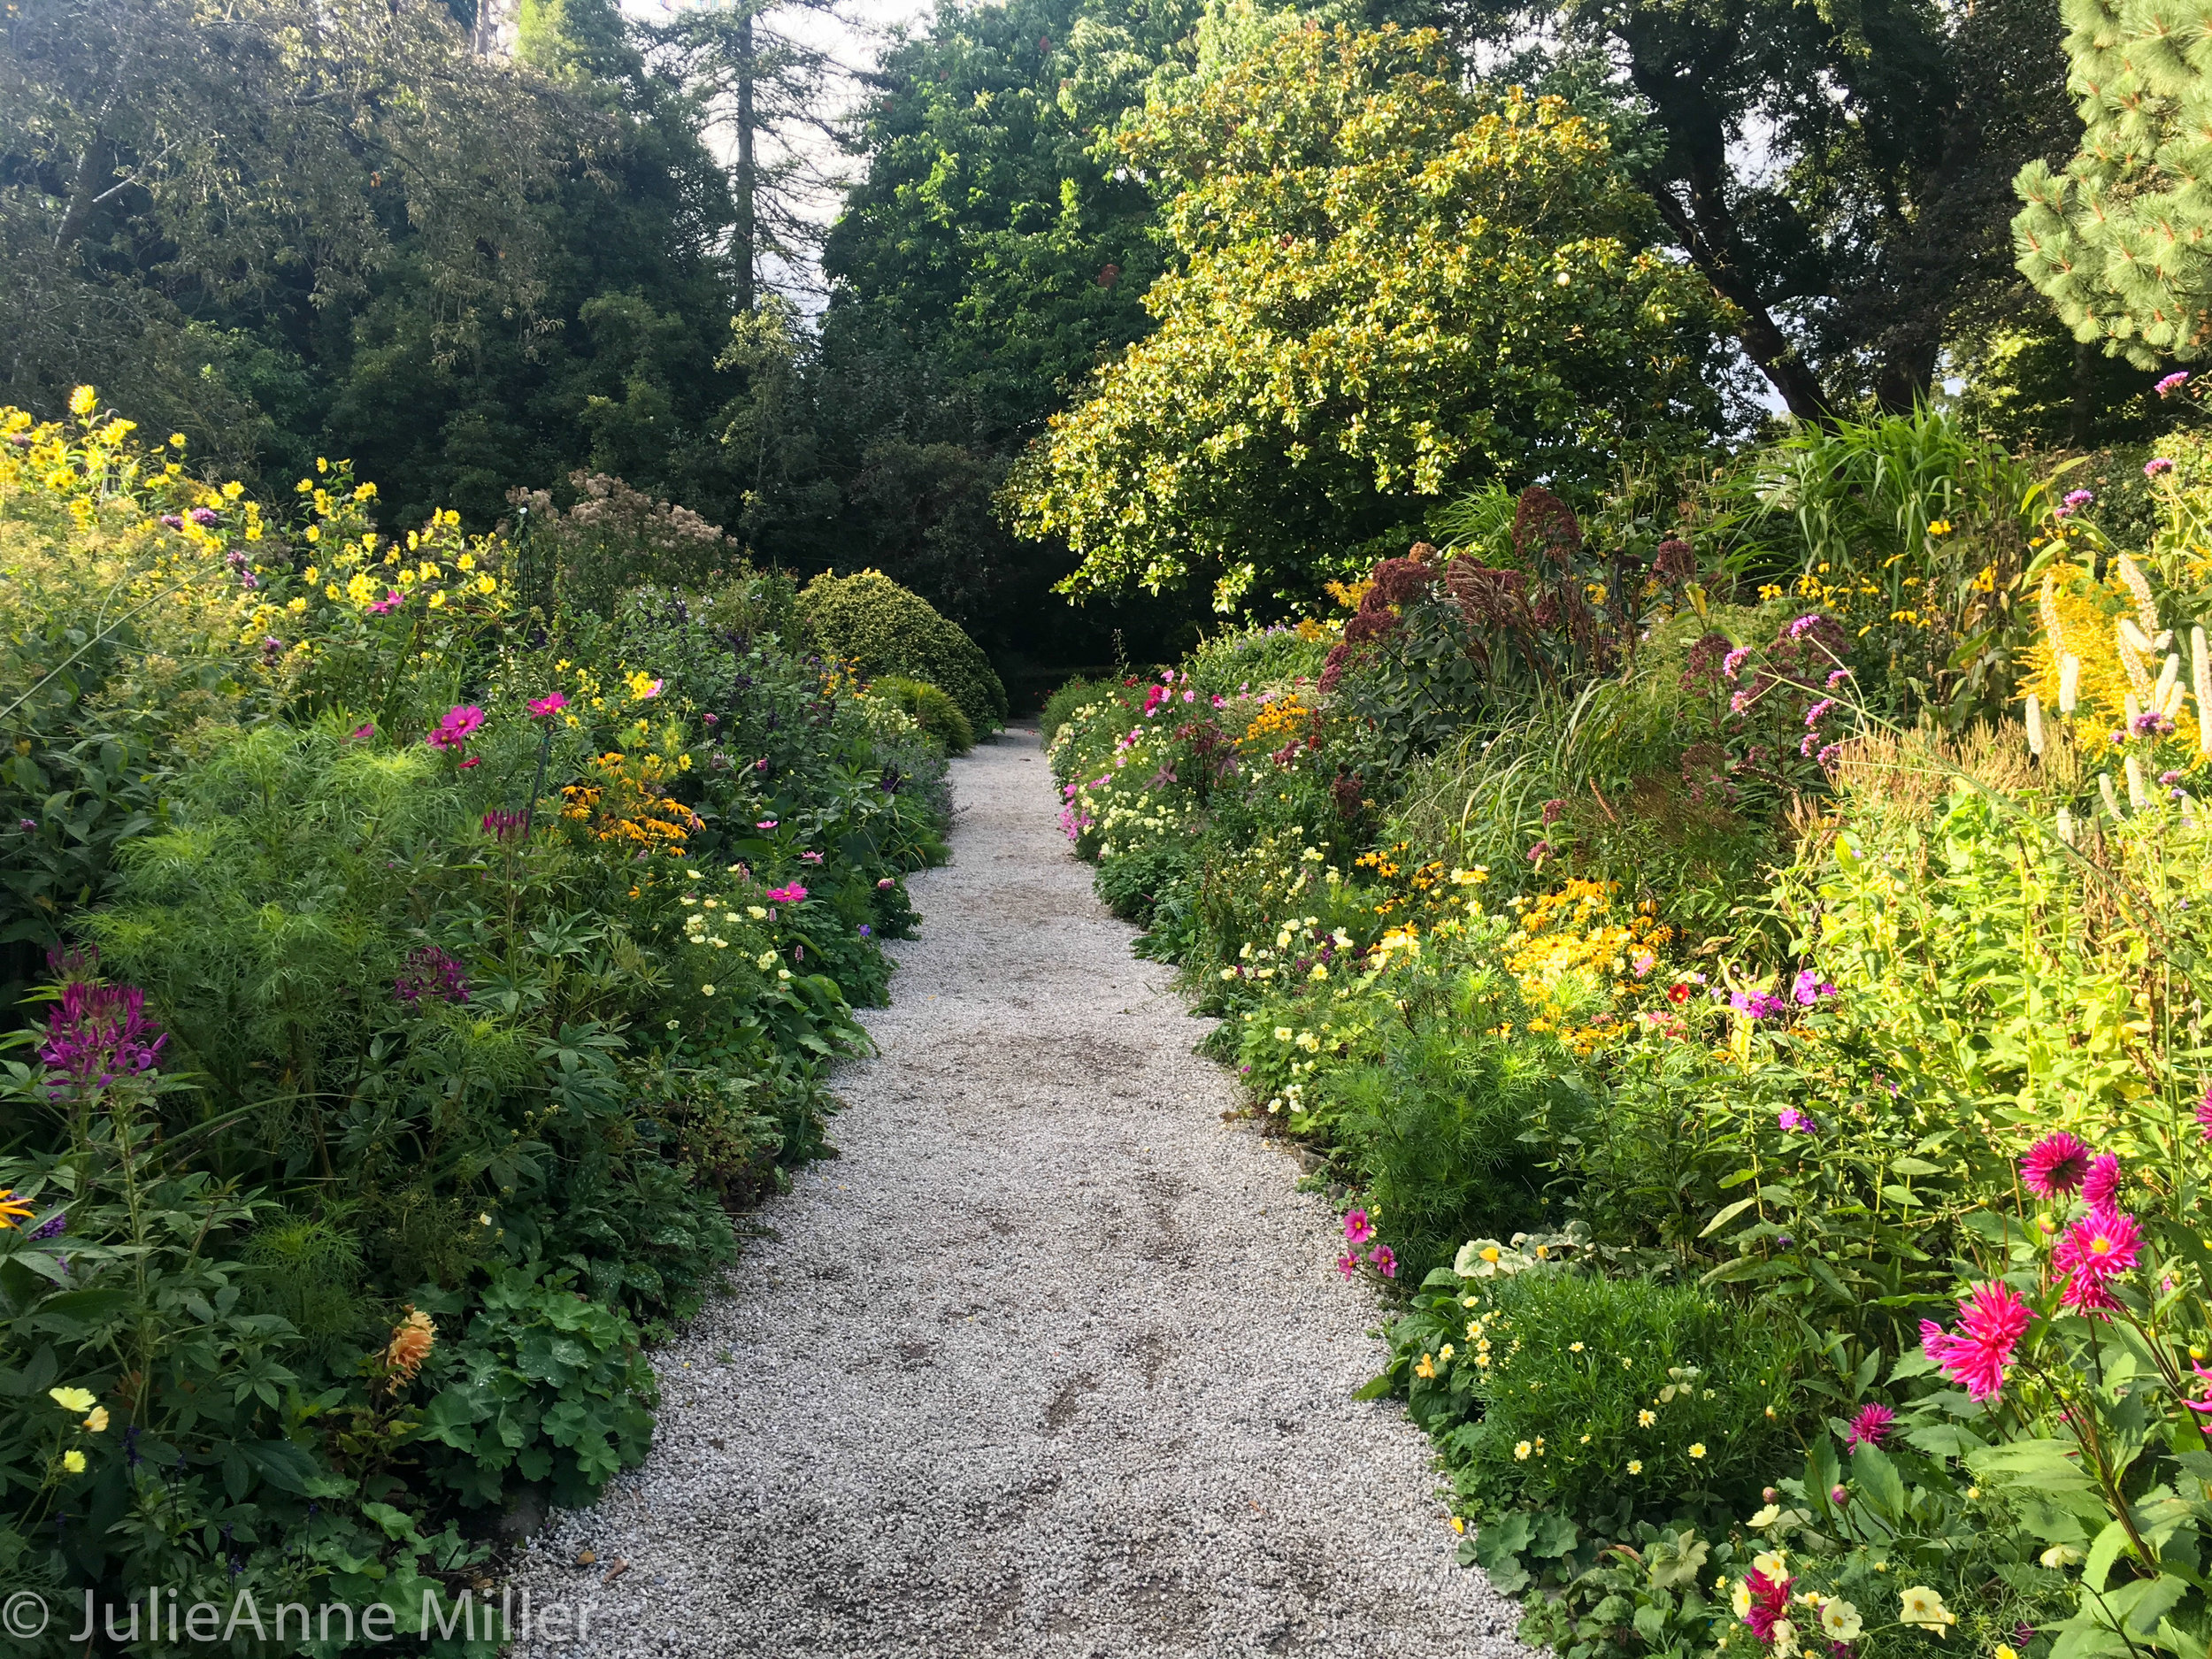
(412, 1339)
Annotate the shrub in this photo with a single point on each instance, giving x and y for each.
(932, 708)
(1608, 1399)
(879, 627)
(1060, 707)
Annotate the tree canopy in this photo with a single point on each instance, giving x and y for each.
(1387, 288)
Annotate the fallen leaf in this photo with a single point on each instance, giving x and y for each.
(620, 1567)
(585, 1557)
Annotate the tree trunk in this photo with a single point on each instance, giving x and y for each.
(84, 193)
(746, 236)
(1709, 235)
(2081, 425)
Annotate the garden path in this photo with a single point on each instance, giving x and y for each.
(1053, 1362)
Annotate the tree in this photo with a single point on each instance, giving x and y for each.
(764, 87)
(2116, 240)
(1839, 174)
(1389, 289)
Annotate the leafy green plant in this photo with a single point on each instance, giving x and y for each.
(879, 627)
(932, 710)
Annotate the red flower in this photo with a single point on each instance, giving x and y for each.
(1679, 994)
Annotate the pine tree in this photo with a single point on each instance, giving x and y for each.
(2117, 240)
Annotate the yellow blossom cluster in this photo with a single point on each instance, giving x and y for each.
(1278, 722)
(629, 803)
(2092, 621)
(1570, 949)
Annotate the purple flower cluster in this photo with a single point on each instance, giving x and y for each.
(1808, 987)
(430, 972)
(2172, 383)
(100, 1032)
(503, 825)
(2156, 465)
(2151, 723)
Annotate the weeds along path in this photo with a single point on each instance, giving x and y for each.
(1052, 1362)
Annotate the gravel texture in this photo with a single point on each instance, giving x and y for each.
(1054, 1360)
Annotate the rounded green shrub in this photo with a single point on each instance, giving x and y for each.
(1558, 1389)
(932, 708)
(882, 628)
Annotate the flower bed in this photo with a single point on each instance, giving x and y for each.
(409, 984)
(1771, 1106)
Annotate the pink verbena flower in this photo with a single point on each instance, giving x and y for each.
(2156, 465)
(2055, 1165)
(1870, 1427)
(1357, 1228)
(1992, 1320)
(2101, 1186)
(2092, 1253)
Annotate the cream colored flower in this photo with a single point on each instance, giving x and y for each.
(1522, 1451)
(74, 1400)
(1646, 1417)
(1839, 1621)
(1742, 1599)
(1920, 1605)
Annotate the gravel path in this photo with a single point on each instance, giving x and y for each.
(1053, 1362)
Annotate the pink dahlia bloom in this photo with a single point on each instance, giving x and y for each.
(1870, 1427)
(2092, 1253)
(2101, 1186)
(2055, 1165)
(1992, 1320)
(1769, 1603)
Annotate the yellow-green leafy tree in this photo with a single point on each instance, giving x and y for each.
(1387, 288)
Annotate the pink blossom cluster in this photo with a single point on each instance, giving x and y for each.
(1359, 1230)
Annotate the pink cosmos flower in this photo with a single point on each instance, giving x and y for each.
(793, 894)
(1357, 1228)
(2204, 1114)
(392, 601)
(2203, 1406)
(2094, 1252)
(1992, 1320)
(2055, 1165)
(1347, 1265)
(1870, 1427)
(460, 724)
(884, 883)
(1382, 1259)
(766, 823)
(550, 704)
(472, 761)
(2101, 1186)
(368, 729)
(810, 858)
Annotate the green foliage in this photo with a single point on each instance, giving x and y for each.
(879, 627)
(1060, 707)
(2111, 239)
(1539, 1385)
(1335, 347)
(932, 710)
(403, 1069)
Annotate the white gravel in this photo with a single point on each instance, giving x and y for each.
(1053, 1362)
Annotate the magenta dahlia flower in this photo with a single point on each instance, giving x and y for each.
(2092, 1253)
(2055, 1165)
(2101, 1186)
(1992, 1321)
(1870, 1427)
